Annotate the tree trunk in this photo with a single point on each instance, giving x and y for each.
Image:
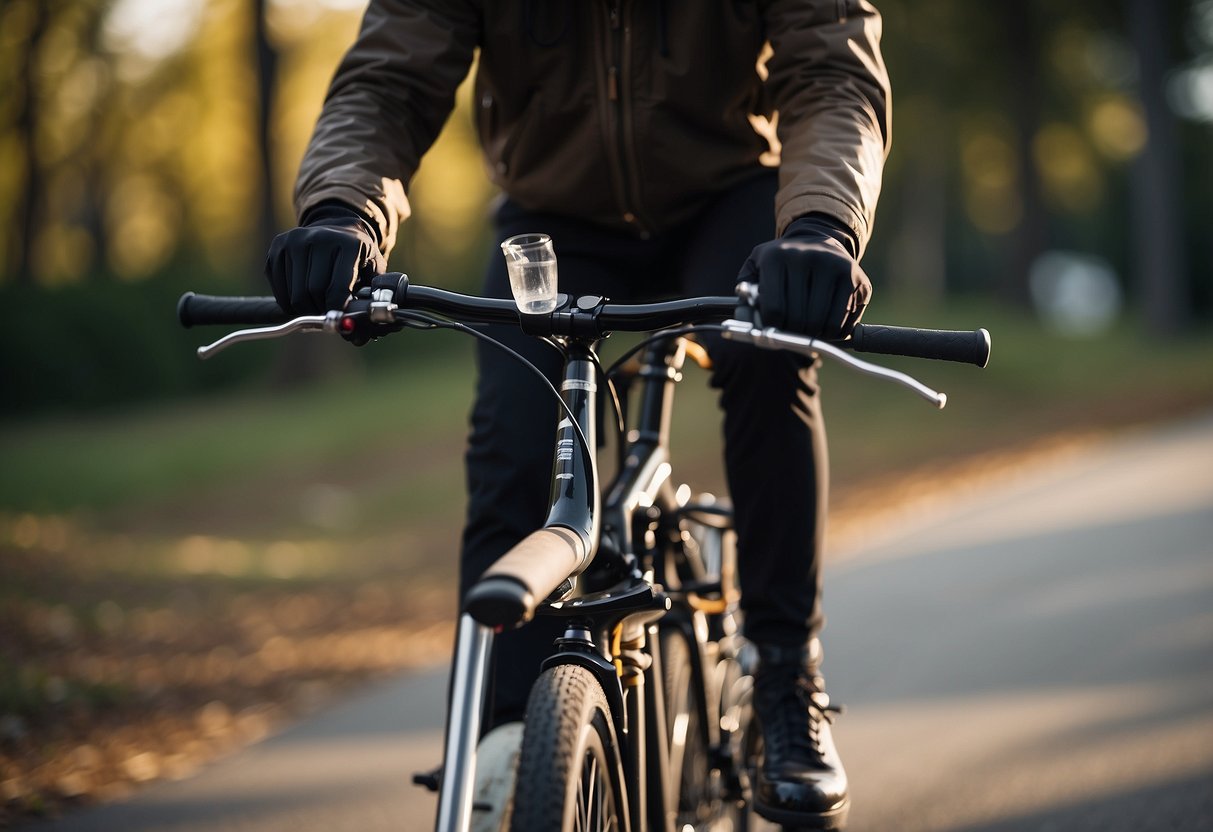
(98, 150)
(301, 360)
(266, 61)
(1030, 237)
(29, 207)
(1160, 272)
(919, 251)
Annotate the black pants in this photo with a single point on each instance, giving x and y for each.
(775, 452)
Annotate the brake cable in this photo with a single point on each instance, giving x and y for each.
(435, 322)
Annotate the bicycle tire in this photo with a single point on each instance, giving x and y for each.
(689, 760)
(496, 773)
(723, 803)
(743, 739)
(570, 778)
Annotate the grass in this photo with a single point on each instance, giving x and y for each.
(1036, 383)
(96, 462)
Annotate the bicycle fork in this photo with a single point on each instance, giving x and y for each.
(473, 647)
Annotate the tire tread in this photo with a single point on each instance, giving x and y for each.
(563, 699)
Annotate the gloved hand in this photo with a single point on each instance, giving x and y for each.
(808, 280)
(315, 267)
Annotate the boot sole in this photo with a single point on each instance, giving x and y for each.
(834, 819)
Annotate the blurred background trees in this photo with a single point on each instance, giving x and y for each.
(1044, 155)
(1023, 128)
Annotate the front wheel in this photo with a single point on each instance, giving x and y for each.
(569, 775)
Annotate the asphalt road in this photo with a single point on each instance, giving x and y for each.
(1036, 655)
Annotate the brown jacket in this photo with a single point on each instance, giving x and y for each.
(628, 113)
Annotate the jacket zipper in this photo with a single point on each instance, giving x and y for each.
(620, 101)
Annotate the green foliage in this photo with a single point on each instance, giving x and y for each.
(101, 344)
(28, 690)
(63, 463)
(105, 344)
(1017, 128)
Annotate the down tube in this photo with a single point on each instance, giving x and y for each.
(574, 497)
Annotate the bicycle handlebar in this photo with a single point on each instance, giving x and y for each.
(201, 310)
(963, 346)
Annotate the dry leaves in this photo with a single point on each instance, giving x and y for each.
(111, 679)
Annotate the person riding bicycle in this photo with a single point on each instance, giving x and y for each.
(627, 130)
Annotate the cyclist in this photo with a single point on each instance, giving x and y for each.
(623, 128)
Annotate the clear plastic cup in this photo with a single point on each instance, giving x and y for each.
(531, 262)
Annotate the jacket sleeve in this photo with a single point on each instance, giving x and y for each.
(387, 103)
(828, 81)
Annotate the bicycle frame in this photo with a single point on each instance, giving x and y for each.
(643, 481)
(641, 506)
(574, 505)
(639, 500)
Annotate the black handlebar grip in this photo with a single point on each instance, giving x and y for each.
(964, 346)
(197, 310)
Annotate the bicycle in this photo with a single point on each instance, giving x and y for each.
(640, 719)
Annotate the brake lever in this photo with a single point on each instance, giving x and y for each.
(771, 338)
(328, 324)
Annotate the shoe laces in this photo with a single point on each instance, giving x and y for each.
(819, 708)
(787, 702)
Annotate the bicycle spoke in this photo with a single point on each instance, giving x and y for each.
(592, 808)
(581, 811)
(587, 795)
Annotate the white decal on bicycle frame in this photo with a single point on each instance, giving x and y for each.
(564, 452)
(578, 384)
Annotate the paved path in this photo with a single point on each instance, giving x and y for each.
(1038, 656)
(349, 769)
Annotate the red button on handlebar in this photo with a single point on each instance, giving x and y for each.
(347, 325)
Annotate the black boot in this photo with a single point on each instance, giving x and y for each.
(801, 782)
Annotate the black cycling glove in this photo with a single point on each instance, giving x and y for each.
(808, 280)
(315, 267)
